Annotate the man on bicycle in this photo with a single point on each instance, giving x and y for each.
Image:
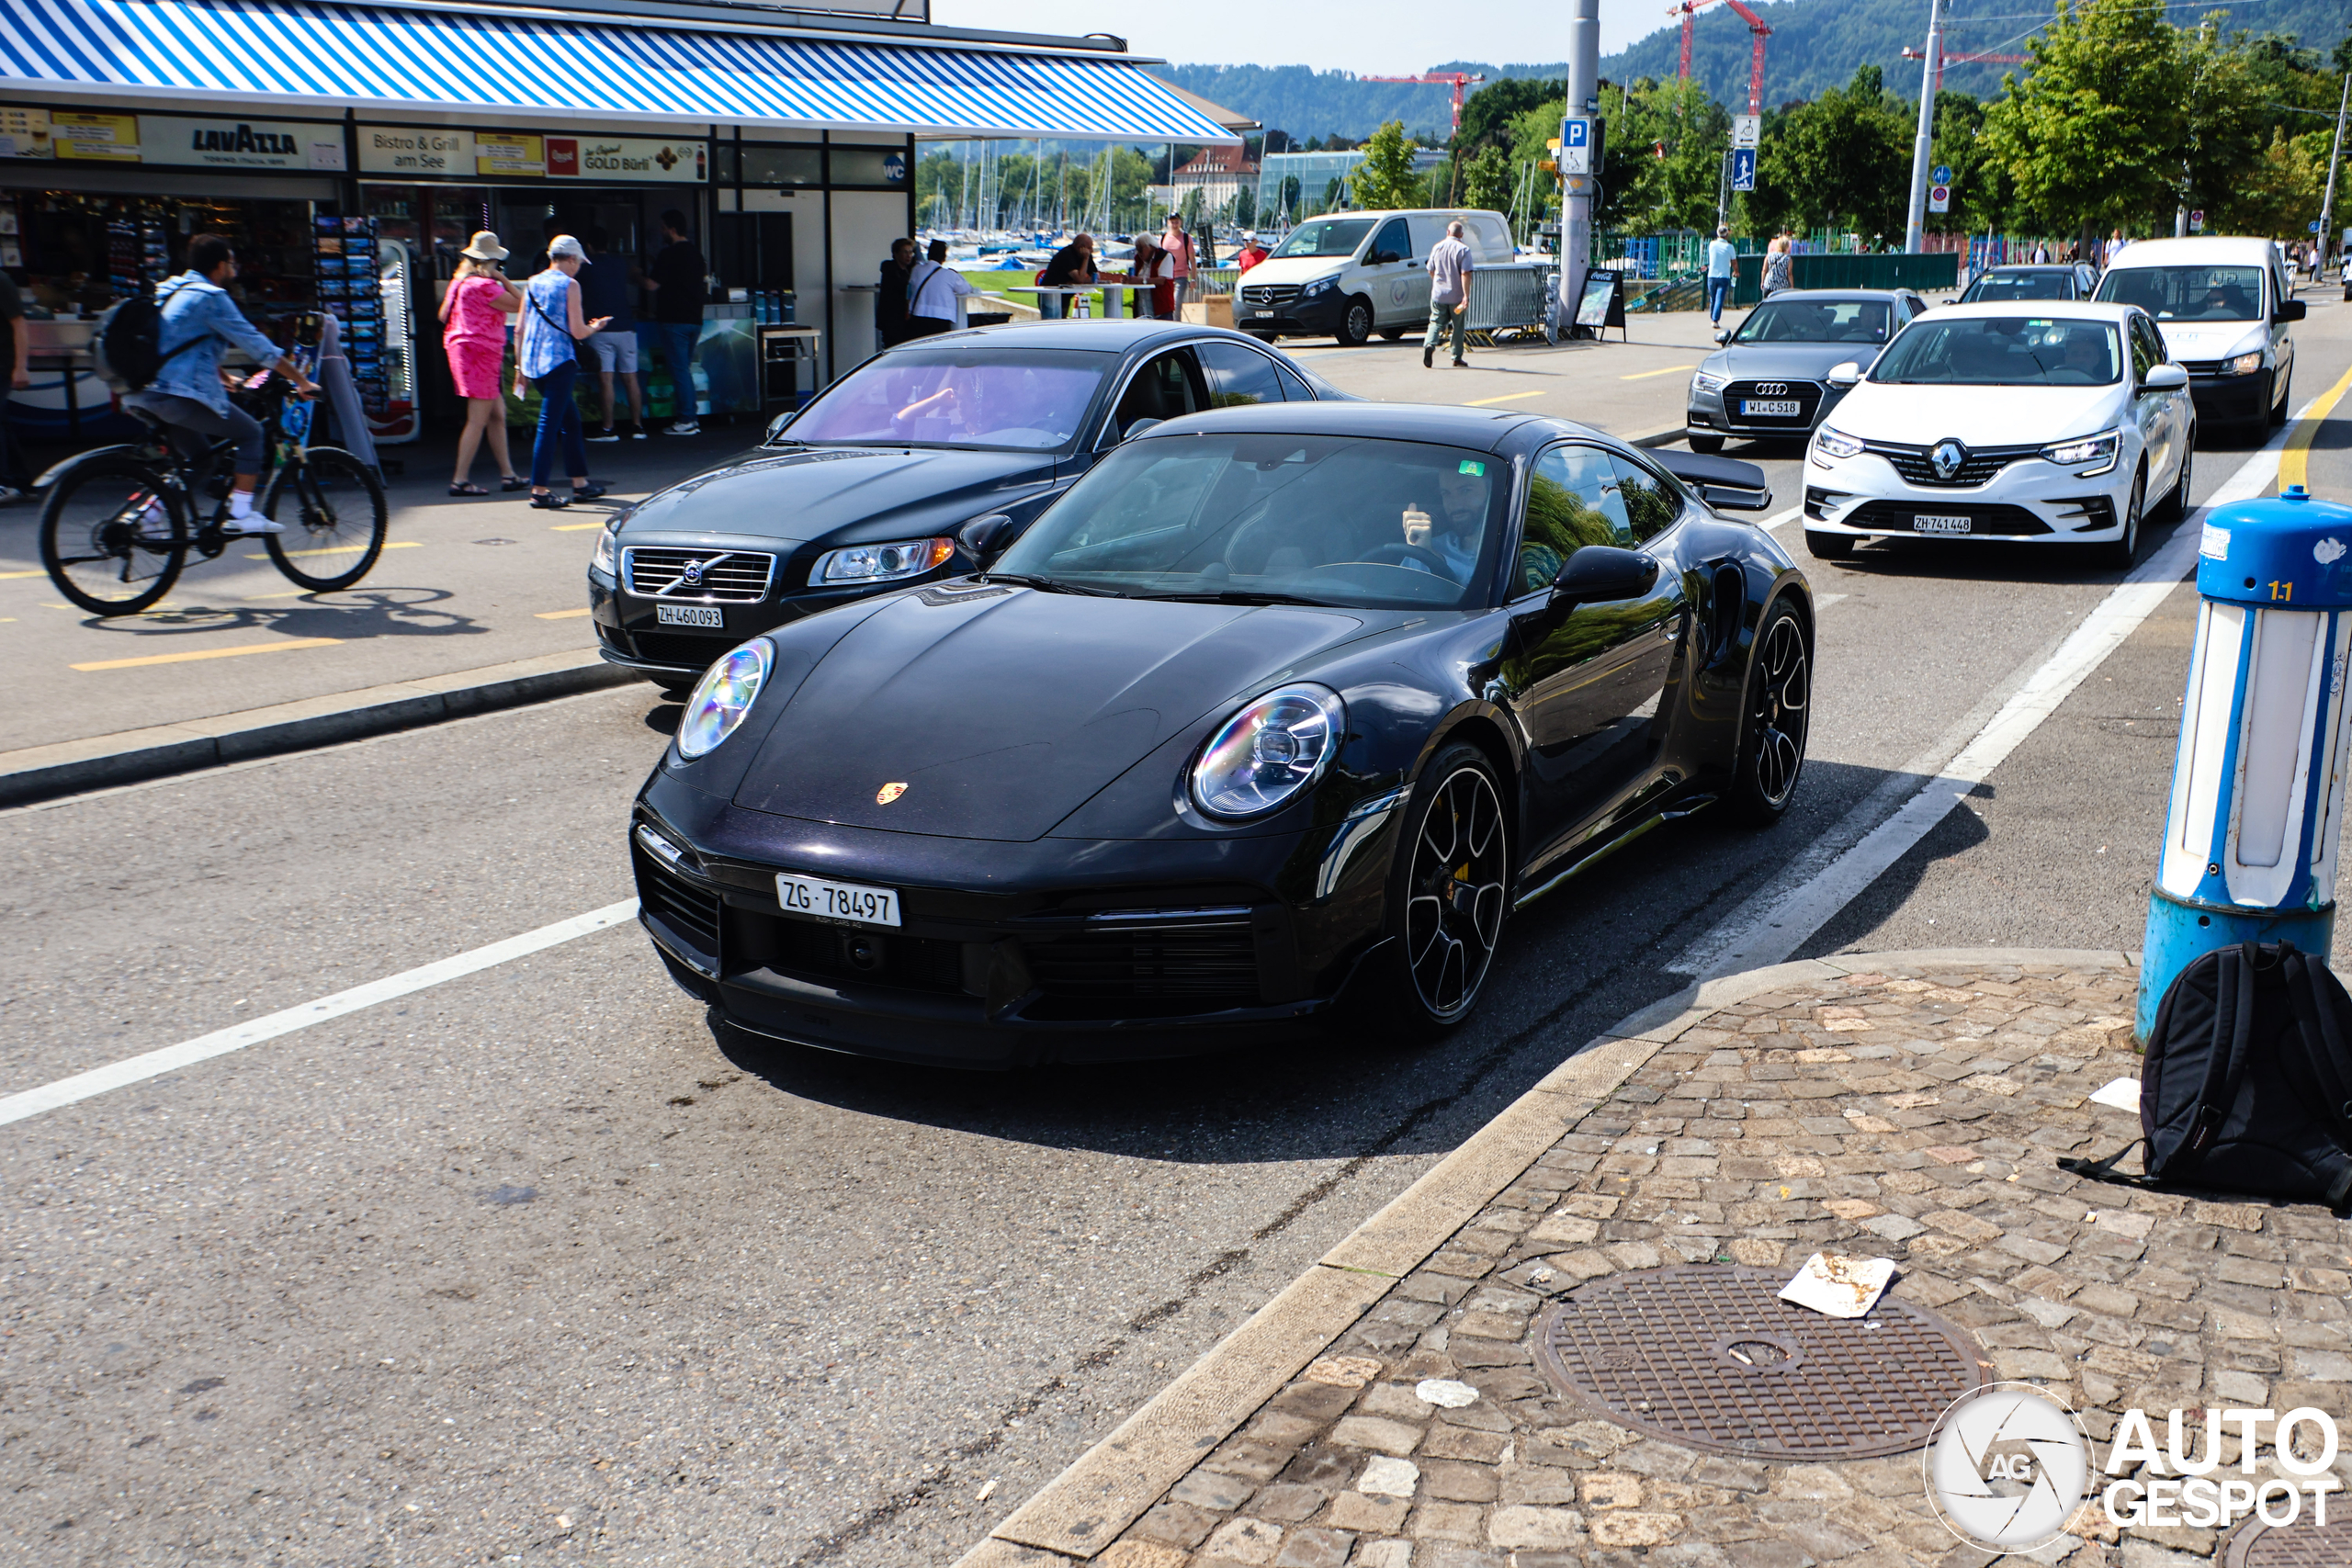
(190, 392)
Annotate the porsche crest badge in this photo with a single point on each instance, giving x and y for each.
(889, 793)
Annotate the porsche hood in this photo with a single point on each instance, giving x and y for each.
(989, 711)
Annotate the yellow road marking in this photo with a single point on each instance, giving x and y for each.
(211, 653)
(1506, 397)
(12, 576)
(2294, 458)
(343, 549)
(1646, 375)
(559, 615)
(572, 527)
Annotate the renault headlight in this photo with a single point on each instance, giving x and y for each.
(1702, 382)
(2244, 364)
(1836, 444)
(607, 558)
(1268, 751)
(881, 563)
(2091, 454)
(723, 695)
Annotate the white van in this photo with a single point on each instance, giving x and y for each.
(2222, 306)
(1348, 275)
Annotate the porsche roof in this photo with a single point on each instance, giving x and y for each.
(1485, 430)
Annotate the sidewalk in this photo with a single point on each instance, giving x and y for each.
(1402, 1406)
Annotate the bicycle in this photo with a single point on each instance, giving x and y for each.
(118, 525)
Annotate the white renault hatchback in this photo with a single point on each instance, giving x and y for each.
(2042, 422)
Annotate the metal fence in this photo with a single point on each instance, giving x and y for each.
(1512, 301)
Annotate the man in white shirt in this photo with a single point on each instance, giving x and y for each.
(934, 295)
(1449, 267)
(1719, 269)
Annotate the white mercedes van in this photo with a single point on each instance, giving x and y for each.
(2222, 306)
(1348, 275)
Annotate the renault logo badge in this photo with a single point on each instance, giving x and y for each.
(1946, 457)
(889, 793)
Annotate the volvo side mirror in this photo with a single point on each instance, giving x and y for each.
(2164, 379)
(1140, 427)
(1846, 376)
(984, 538)
(776, 426)
(1597, 574)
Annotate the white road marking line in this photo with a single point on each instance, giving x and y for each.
(1777, 918)
(236, 1037)
(1781, 519)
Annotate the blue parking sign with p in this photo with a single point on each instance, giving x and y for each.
(1743, 168)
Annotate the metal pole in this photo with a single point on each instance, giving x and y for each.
(2327, 241)
(1575, 206)
(1923, 150)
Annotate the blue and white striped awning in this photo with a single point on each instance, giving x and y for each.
(540, 65)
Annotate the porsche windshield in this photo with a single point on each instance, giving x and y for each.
(1275, 519)
(1814, 321)
(2002, 350)
(1033, 400)
(1324, 237)
(2187, 293)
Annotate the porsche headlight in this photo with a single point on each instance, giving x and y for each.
(1702, 382)
(2091, 454)
(609, 549)
(723, 695)
(1266, 753)
(881, 563)
(2244, 364)
(1836, 444)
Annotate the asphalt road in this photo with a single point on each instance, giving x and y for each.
(533, 1263)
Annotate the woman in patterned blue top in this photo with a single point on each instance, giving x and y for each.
(544, 354)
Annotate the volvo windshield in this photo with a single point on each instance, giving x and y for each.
(2002, 350)
(1031, 399)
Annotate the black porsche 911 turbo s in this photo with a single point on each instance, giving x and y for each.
(1280, 710)
(864, 490)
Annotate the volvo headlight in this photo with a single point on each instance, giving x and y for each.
(1702, 382)
(2244, 364)
(1266, 753)
(2084, 453)
(607, 559)
(881, 563)
(723, 695)
(1836, 444)
(1320, 286)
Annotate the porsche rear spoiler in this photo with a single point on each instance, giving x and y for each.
(1725, 482)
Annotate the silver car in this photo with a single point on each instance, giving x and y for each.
(1769, 379)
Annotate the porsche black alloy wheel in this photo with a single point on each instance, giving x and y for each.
(1456, 868)
(1779, 711)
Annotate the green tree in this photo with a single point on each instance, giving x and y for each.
(1842, 161)
(1488, 179)
(2092, 136)
(1387, 176)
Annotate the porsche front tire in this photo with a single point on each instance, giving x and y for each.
(1449, 894)
(1777, 721)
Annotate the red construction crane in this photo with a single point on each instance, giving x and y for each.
(1454, 79)
(1949, 58)
(1688, 9)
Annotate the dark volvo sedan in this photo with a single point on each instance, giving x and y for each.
(865, 488)
(1280, 710)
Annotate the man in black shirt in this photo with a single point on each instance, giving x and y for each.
(676, 280)
(1072, 267)
(890, 298)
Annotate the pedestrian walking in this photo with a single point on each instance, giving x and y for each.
(677, 279)
(605, 287)
(1720, 261)
(1779, 265)
(547, 356)
(473, 334)
(1178, 244)
(15, 375)
(891, 294)
(934, 293)
(1072, 267)
(1449, 268)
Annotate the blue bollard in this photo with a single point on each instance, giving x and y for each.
(2258, 787)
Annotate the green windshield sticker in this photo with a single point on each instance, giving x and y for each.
(1471, 467)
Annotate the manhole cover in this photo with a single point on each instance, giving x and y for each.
(2299, 1545)
(1710, 1357)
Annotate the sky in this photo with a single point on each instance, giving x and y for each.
(1377, 37)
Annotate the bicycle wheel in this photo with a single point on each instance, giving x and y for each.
(111, 539)
(337, 527)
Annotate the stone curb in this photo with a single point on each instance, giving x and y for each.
(70, 767)
(1085, 1508)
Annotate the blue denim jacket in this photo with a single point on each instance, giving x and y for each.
(194, 308)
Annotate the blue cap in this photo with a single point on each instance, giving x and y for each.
(2291, 552)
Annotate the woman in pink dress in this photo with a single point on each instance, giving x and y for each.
(473, 313)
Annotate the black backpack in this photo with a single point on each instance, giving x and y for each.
(128, 348)
(2247, 1087)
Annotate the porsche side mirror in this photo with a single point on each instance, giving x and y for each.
(1846, 376)
(2289, 310)
(2164, 379)
(1598, 574)
(1723, 335)
(984, 538)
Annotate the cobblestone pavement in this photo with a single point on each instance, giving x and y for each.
(1914, 1115)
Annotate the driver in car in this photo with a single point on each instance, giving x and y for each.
(1453, 535)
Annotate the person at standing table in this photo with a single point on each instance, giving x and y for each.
(1720, 261)
(890, 296)
(605, 290)
(1178, 246)
(677, 281)
(1251, 252)
(546, 355)
(933, 295)
(15, 375)
(1141, 270)
(1450, 268)
(473, 334)
(1779, 267)
(1072, 267)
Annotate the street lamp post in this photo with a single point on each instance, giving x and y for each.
(2328, 203)
(1575, 198)
(1923, 151)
